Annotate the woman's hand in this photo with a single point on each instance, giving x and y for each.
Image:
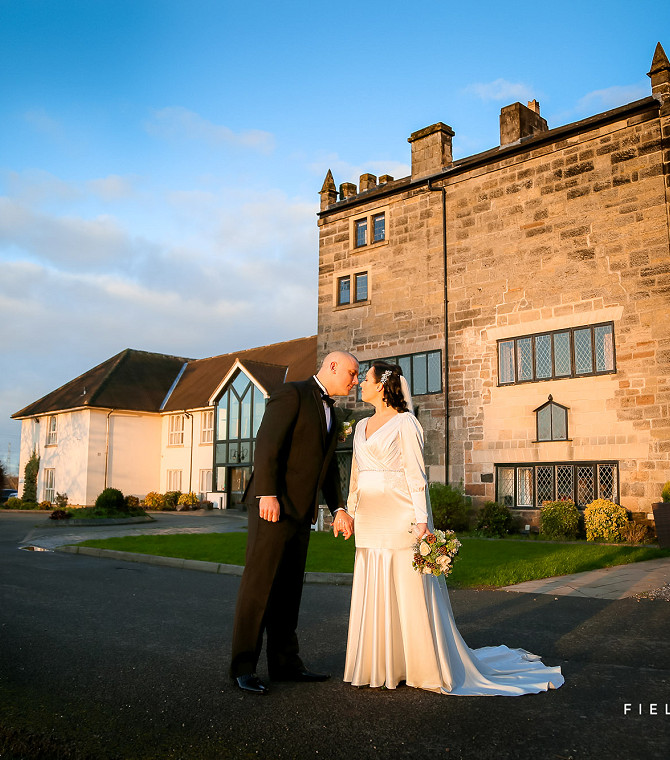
(420, 530)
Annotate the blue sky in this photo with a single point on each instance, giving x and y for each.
(160, 159)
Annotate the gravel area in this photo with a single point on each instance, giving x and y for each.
(663, 592)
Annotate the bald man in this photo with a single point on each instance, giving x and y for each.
(293, 461)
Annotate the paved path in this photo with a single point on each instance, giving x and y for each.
(618, 582)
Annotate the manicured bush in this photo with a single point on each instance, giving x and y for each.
(188, 500)
(154, 500)
(111, 500)
(450, 505)
(665, 492)
(45, 505)
(494, 520)
(605, 521)
(31, 505)
(30, 478)
(171, 499)
(132, 502)
(559, 519)
(13, 503)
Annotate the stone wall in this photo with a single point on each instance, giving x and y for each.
(564, 228)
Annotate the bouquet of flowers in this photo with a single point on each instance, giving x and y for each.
(345, 430)
(434, 554)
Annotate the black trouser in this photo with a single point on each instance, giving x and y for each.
(269, 594)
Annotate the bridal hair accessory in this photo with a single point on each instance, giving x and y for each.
(434, 554)
(385, 375)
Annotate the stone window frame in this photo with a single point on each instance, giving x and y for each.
(351, 274)
(369, 217)
(554, 405)
(596, 467)
(52, 431)
(573, 371)
(176, 430)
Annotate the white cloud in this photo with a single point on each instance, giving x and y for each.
(35, 186)
(68, 241)
(41, 122)
(500, 90)
(112, 187)
(611, 97)
(177, 123)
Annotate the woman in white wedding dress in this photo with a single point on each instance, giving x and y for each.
(401, 627)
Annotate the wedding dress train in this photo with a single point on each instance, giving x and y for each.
(401, 627)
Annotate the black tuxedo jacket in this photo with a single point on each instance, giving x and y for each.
(294, 455)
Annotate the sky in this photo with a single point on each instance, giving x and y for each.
(160, 160)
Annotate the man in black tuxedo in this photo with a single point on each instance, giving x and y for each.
(293, 461)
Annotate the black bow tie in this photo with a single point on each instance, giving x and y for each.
(327, 399)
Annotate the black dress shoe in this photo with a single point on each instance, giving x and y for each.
(251, 683)
(299, 674)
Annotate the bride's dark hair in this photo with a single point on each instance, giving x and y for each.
(392, 393)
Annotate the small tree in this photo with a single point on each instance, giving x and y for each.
(30, 472)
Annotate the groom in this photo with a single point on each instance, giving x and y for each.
(293, 461)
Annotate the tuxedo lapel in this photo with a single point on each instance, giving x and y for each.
(321, 412)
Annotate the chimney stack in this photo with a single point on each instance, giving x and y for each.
(431, 149)
(518, 121)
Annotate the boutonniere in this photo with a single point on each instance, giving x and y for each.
(344, 430)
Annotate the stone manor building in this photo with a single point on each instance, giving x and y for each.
(525, 291)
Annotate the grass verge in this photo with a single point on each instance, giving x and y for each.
(481, 562)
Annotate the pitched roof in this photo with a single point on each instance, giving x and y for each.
(271, 365)
(133, 380)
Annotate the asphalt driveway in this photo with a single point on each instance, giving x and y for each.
(107, 660)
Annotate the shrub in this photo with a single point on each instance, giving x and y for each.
(450, 505)
(665, 492)
(132, 502)
(154, 500)
(61, 500)
(559, 519)
(30, 478)
(494, 520)
(636, 533)
(171, 499)
(30, 505)
(111, 500)
(60, 514)
(45, 505)
(604, 521)
(13, 503)
(189, 500)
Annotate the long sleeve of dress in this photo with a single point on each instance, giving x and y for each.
(411, 445)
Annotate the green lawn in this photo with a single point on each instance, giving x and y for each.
(481, 562)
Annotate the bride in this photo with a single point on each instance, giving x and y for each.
(401, 627)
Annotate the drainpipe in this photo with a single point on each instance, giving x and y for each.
(107, 447)
(446, 324)
(190, 470)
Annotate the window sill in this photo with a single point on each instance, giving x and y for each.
(50, 445)
(175, 445)
(369, 246)
(557, 440)
(344, 306)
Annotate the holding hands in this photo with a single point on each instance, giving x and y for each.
(343, 523)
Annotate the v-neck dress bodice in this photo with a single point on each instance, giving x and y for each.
(388, 484)
(401, 627)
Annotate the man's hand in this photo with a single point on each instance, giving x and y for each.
(343, 523)
(268, 508)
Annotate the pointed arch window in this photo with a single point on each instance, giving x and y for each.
(551, 421)
(238, 416)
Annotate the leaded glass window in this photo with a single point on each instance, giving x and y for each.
(524, 485)
(564, 353)
(423, 371)
(552, 421)
(343, 290)
(361, 289)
